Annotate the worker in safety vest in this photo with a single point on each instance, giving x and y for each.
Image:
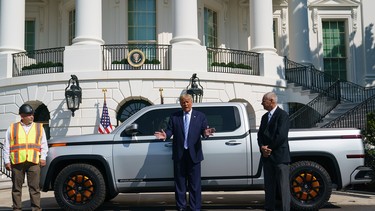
(25, 152)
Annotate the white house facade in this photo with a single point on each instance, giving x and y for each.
(237, 49)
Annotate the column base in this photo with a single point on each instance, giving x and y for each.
(81, 58)
(264, 50)
(185, 40)
(272, 66)
(87, 41)
(6, 65)
(189, 58)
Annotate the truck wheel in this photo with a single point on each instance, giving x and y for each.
(80, 187)
(310, 184)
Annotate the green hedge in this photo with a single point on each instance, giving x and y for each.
(42, 65)
(232, 65)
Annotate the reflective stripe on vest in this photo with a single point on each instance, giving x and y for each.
(25, 147)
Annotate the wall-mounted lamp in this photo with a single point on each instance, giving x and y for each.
(194, 90)
(73, 94)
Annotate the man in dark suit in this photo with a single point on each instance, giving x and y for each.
(187, 127)
(273, 144)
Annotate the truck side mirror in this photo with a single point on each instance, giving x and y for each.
(130, 130)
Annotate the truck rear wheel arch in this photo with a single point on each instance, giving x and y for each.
(326, 160)
(61, 162)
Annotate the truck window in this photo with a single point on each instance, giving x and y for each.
(154, 120)
(223, 119)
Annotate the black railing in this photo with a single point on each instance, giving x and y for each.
(355, 117)
(314, 111)
(115, 57)
(309, 77)
(2, 167)
(38, 62)
(232, 61)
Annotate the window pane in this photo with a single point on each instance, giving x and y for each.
(142, 20)
(334, 48)
(30, 35)
(154, 121)
(72, 26)
(223, 119)
(210, 27)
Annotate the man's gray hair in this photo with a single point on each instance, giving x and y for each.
(271, 95)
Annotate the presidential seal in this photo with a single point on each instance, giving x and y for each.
(136, 58)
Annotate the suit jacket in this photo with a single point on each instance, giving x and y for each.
(275, 135)
(198, 123)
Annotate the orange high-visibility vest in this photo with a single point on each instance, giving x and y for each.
(25, 147)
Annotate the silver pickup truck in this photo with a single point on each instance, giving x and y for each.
(84, 171)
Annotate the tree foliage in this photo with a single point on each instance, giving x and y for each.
(369, 131)
(369, 140)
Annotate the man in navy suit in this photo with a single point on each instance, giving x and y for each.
(187, 127)
(274, 146)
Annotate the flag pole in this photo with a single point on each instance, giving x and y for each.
(104, 91)
(161, 96)
(105, 125)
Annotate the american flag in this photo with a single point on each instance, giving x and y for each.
(105, 125)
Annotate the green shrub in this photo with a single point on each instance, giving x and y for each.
(369, 140)
(42, 65)
(231, 65)
(369, 132)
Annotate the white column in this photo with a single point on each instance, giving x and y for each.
(261, 30)
(12, 34)
(186, 22)
(85, 54)
(187, 53)
(12, 26)
(299, 44)
(88, 22)
(368, 51)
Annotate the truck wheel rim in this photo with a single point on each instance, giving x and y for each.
(306, 187)
(79, 189)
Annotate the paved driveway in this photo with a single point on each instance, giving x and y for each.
(220, 201)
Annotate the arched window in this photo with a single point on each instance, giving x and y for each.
(41, 115)
(129, 108)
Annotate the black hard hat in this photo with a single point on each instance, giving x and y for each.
(26, 109)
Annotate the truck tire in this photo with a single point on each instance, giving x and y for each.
(310, 184)
(80, 187)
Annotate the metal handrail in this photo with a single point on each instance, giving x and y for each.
(224, 60)
(36, 62)
(314, 111)
(2, 167)
(311, 78)
(115, 57)
(355, 117)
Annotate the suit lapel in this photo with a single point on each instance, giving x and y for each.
(274, 116)
(192, 119)
(182, 121)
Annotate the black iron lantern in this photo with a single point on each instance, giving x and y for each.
(73, 94)
(195, 91)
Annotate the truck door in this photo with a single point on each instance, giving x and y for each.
(142, 160)
(225, 153)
